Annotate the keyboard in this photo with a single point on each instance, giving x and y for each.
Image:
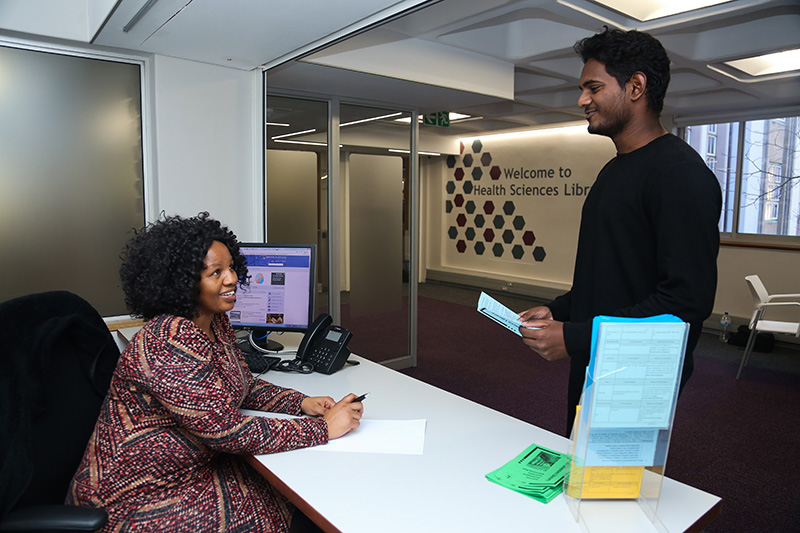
(258, 363)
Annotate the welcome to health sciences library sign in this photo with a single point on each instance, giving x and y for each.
(508, 198)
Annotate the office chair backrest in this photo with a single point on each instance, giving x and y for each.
(57, 360)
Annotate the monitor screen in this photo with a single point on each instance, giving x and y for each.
(280, 296)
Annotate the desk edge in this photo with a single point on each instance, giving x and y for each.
(293, 497)
(704, 521)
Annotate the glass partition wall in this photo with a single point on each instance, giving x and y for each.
(297, 179)
(360, 212)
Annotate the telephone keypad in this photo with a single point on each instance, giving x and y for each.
(321, 355)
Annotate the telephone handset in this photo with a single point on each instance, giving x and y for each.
(323, 348)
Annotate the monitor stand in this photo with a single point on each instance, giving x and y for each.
(255, 342)
(266, 345)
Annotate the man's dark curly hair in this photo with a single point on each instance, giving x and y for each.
(626, 52)
(162, 263)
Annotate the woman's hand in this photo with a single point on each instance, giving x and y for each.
(317, 405)
(344, 416)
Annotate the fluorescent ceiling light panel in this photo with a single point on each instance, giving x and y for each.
(577, 129)
(453, 116)
(645, 10)
(776, 63)
(395, 150)
(293, 134)
(309, 143)
(371, 119)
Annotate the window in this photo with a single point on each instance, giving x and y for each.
(72, 167)
(756, 163)
(771, 212)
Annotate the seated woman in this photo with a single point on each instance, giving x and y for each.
(165, 454)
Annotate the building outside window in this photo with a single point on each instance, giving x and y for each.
(761, 177)
(711, 145)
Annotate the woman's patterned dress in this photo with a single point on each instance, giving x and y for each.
(164, 455)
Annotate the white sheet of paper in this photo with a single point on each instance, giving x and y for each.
(405, 437)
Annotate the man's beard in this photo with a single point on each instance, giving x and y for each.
(615, 121)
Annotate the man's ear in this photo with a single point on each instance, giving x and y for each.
(638, 84)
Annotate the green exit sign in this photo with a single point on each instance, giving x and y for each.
(440, 118)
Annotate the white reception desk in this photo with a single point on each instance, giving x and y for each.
(444, 489)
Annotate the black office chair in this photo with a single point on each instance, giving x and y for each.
(57, 359)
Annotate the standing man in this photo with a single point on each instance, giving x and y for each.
(648, 238)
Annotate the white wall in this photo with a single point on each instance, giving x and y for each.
(207, 144)
(779, 270)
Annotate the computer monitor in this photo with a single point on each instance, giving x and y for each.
(280, 295)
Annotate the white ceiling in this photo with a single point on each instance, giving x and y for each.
(508, 61)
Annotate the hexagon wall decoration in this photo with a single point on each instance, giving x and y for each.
(473, 212)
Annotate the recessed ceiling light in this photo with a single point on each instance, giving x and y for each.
(767, 64)
(645, 10)
(396, 150)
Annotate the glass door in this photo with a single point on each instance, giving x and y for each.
(359, 212)
(375, 244)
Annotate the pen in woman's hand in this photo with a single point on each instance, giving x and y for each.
(360, 398)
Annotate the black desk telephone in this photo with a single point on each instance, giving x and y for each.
(323, 348)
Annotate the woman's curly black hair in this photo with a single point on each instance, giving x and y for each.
(162, 263)
(626, 52)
